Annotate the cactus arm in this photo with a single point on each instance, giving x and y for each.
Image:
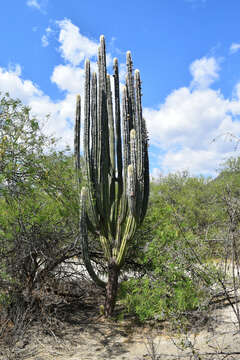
(139, 127)
(100, 131)
(130, 92)
(99, 123)
(91, 227)
(146, 172)
(126, 155)
(106, 248)
(84, 240)
(118, 136)
(77, 137)
(132, 190)
(111, 127)
(118, 130)
(140, 144)
(94, 131)
(86, 145)
(112, 175)
(86, 138)
(142, 154)
(127, 236)
(132, 198)
(104, 156)
(126, 131)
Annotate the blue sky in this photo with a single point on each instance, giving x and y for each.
(188, 53)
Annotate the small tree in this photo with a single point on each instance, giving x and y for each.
(38, 206)
(114, 200)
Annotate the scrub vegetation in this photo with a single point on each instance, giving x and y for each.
(169, 264)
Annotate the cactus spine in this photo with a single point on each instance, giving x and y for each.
(114, 200)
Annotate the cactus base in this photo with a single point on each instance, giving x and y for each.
(111, 289)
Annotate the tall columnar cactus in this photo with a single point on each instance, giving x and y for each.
(114, 198)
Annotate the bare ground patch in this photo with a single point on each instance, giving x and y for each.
(68, 325)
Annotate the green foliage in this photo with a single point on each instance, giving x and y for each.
(5, 299)
(159, 298)
(174, 252)
(38, 199)
(186, 228)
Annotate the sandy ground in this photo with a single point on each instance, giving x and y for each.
(86, 335)
(75, 330)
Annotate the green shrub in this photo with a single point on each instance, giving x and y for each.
(157, 299)
(173, 252)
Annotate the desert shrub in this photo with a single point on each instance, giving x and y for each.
(38, 202)
(157, 299)
(173, 251)
(175, 284)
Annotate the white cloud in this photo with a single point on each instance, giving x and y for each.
(182, 127)
(49, 30)
(204, 71)
(237, 93)
(190, 118)
(34, 3)
(68, 78)
(75, 47)
(10, 81)
(40, 5)
(185, 116)
(61, 116)
(61, 112)
(44, 41)
(46, 36)
(202, 161)
(235, 47)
